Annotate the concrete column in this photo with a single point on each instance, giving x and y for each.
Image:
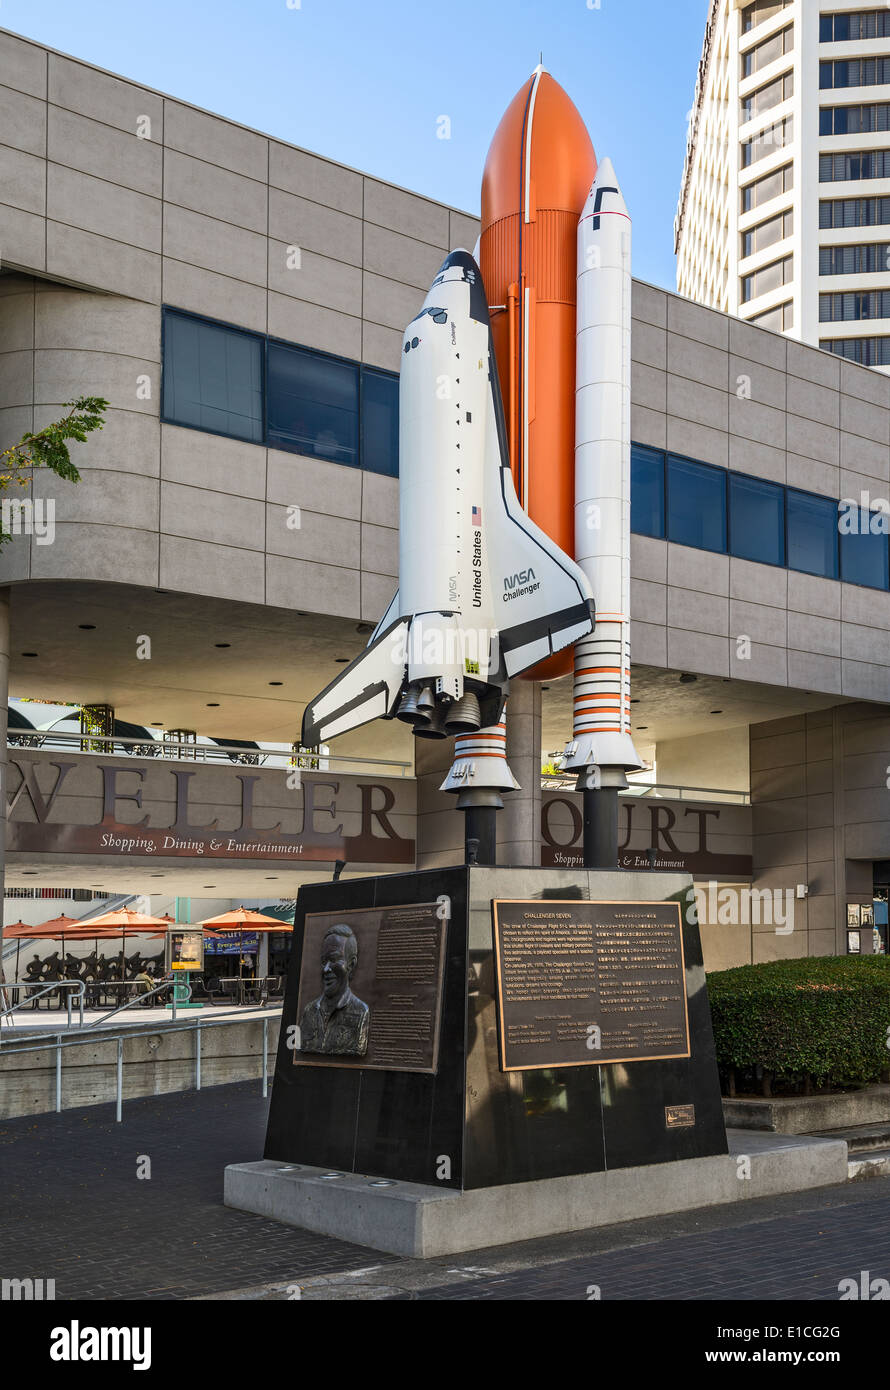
(519, 824)
(4, 700)
(440, 826)
(839, 839)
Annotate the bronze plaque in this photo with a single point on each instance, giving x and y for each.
(679, 1116)
(585, 983)
(370, 990)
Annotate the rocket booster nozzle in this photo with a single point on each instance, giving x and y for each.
(480, 761)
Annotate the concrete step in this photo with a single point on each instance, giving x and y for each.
(860, 1138)
(873, 1164)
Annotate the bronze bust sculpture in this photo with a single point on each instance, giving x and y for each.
(337, 1021)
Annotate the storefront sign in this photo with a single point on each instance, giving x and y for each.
(211, 812)
(233, 944)
(648, 835)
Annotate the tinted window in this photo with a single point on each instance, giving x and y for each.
(647, 491)
(756, 520)
(696, 504)
(213, 378)
(863, 538)
(380, 422)
(869, 352)
(812, 534)
(313, 404)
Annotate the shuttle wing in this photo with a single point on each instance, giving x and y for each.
(368, 689)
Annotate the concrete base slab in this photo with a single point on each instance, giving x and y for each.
(411, 1219)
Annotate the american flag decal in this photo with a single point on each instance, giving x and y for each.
(477, 516)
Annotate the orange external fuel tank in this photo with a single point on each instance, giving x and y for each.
(538, 172)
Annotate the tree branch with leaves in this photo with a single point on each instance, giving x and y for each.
(48, 447)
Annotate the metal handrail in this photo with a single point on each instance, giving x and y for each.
(141, 998)
(47, 988)
(101, 985)
(192, 1025)
(177, 750)
(642, 790)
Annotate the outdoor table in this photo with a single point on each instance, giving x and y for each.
(230, 984)
(242, 986)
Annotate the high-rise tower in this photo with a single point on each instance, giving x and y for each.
(784, 210)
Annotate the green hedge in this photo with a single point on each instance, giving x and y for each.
(819, 1022)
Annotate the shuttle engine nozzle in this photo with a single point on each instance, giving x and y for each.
(464, 715)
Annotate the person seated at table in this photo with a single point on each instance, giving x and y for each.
(144, 984)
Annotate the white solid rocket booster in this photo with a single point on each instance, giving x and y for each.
(602, 728)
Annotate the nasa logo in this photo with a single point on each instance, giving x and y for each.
(514, 581)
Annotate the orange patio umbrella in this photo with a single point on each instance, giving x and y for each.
(243, 919)
(57, 928)
(19, 928)
(124, 922)
(51, 929)
(13, 931)
(171, 922)
(126, 917)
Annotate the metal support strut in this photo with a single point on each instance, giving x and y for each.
(599, 787)
(480, 807)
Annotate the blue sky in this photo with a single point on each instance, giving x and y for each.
(365, 81)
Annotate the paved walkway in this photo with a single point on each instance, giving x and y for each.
(73, 1208)
(796, 1256)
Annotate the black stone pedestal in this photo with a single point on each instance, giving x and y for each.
(471, 1125)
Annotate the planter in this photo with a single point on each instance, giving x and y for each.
(807, 1114)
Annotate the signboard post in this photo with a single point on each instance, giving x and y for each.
(184, 953)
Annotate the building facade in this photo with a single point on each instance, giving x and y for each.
(784, 207)
(240, 302)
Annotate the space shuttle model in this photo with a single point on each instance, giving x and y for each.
(484, 594)
(514, 463)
